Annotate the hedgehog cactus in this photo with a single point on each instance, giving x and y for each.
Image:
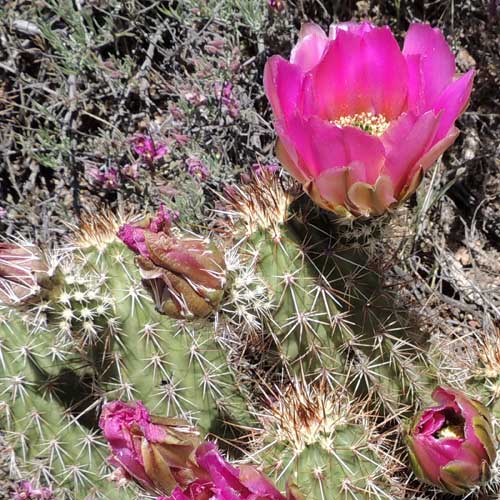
(97, 337)
(276, 334)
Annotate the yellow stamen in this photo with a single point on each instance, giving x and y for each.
(451, 431)
(373, 124)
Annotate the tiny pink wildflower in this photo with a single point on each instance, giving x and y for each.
(149, 150)
(106, 177)
(197, 168)
(26, 491)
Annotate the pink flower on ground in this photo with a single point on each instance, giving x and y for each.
(224, 94)
(131, 171)
(277, 5)
(157, 453)
(360, 121)
(148, 150)
(26, 491)
(225, 482)
(197, 168)
(106, 177)
(195, 98)
(181, 138)
(3, 213)
(451, 445)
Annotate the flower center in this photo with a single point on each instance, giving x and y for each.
(368, 122)
(453, 426)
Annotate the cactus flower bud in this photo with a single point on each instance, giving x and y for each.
(158, 453)
(22, 272)
(184, 275)
(224, 481)
(26, 491)
(451, 445)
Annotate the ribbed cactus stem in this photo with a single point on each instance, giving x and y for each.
(172, 365)
(43, 421)
(326, 443)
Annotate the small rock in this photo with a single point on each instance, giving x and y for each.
(464, 60)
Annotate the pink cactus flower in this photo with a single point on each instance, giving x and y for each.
(225, 482)
(137, 440)
(148, 150)
(360, 121)
(451, 445)
(185, 275)
(26, 491)
(197, 169)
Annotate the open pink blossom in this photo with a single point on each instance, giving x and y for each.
(451, 445)
(225, 482)
(360, 121)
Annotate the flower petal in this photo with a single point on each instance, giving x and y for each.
(372, 199)
(310, 47)
(286, 154)
(452, 102)
(435, 67)
(259, 484)
(386, 72)
(458, 477)
(405, 142)
(340, 80)
(323, 146)
(329, 189)
(361, 71)
(356, 28)
(282, 84)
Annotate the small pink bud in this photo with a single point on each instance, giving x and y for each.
(277, 5)
(451, 445)
(215, 46)
(181, 138)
